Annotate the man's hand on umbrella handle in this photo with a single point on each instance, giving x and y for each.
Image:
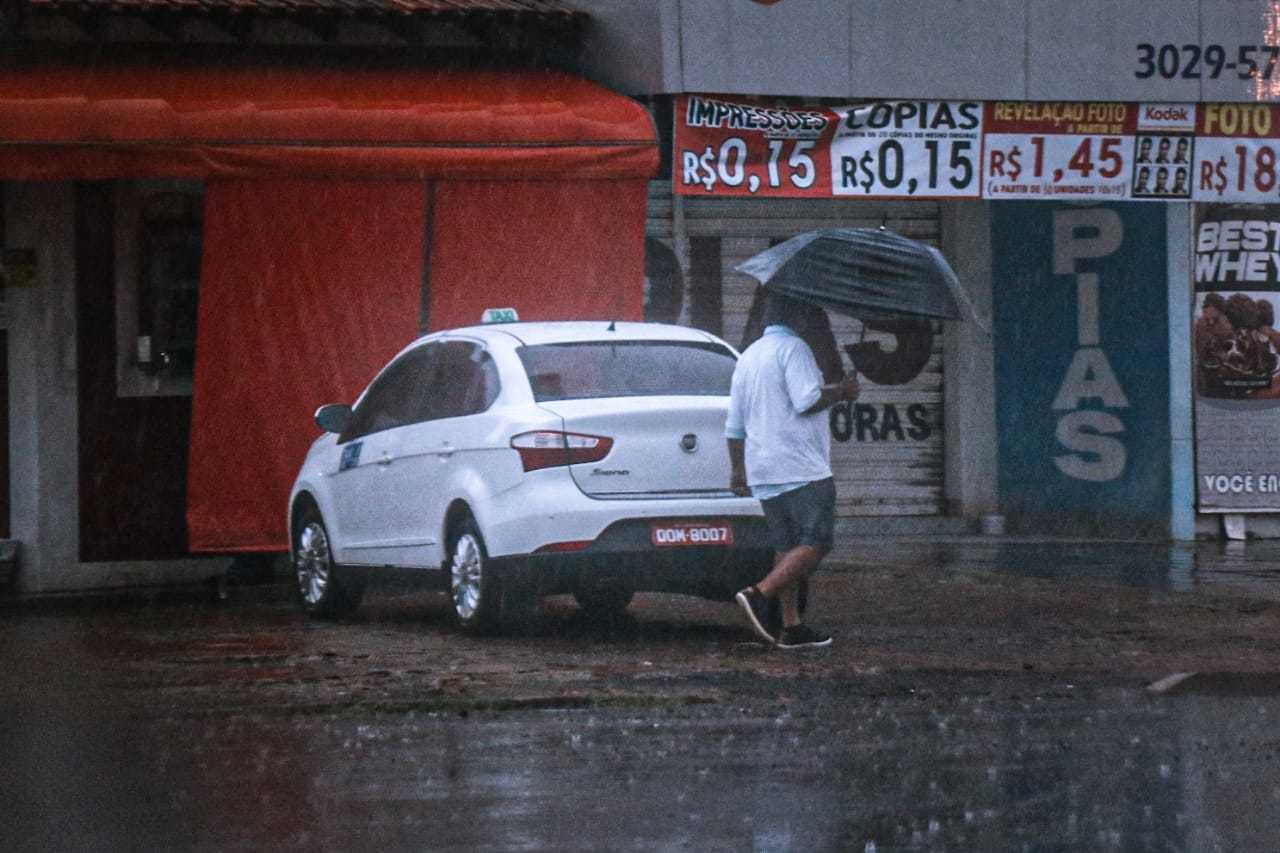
(849, 388)
(846, 390)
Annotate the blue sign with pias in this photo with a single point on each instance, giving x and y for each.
(1082, 362)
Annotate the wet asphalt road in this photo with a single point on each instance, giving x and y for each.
(980, 696)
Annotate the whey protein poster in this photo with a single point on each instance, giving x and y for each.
(1236, 358)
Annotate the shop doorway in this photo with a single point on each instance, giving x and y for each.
(133, 447)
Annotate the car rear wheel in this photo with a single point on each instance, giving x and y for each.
(322, 588)
(473, 586)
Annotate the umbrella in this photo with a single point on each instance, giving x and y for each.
(866, 273)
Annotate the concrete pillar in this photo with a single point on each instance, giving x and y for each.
(970, 414)
(1182, 516)
(43, 436)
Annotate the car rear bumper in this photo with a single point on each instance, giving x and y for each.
(548, 510)
(624, 555)
(564, 540)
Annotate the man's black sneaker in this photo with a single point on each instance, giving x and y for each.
(803, 637)
(756, 606)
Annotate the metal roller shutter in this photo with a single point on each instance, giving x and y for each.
(887, 450)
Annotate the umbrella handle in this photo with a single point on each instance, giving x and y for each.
(857, 386)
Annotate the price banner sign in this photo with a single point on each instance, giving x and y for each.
(886, 149)
(738, 148)
(908, 149)
(1098, 151)
(1236, 147)
(1058, 150)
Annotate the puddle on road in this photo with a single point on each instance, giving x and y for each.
(1252, 566)
(909, 760)
(952, 763)
(1218, 684)
(918, 761)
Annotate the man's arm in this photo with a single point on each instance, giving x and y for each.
(737, 459)
(846, 389)
(804, 381)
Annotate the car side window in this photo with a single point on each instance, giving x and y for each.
(467, 382)
(397, 397)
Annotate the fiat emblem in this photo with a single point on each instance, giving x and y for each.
(689, 443)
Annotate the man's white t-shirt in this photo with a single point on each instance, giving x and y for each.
(775, 380)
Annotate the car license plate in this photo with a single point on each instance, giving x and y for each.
(693, 534)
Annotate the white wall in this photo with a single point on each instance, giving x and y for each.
(955, 49)
(632, 46)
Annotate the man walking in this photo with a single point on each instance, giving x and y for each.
(780, 449)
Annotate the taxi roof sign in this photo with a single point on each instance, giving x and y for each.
(499, 315)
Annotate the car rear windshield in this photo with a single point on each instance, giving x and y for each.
(575, 371)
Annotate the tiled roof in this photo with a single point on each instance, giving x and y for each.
(434, 8)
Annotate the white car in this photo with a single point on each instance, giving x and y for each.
(505, 462)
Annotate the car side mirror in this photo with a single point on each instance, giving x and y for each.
(335, 417)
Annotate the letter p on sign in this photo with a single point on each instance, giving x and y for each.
(1071, 245)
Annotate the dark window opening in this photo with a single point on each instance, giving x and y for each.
(663, 283)
(169, 282)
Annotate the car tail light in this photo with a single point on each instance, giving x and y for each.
(546, 448)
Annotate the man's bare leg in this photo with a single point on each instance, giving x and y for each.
(783, 580)
(790, 568)
(782, 583)
(789, 598)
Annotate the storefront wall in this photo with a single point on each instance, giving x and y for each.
(1178, 52)
(100, 447)
(815, 49)
(449, 207)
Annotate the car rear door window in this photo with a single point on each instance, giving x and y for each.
(466, 382)
(583, 370)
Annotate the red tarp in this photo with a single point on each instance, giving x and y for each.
(110, 122)
(308, 287)
(552, 251)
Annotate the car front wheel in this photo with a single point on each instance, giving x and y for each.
(323, 591)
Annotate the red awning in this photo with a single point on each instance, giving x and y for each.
(426, 8)
(98, 123)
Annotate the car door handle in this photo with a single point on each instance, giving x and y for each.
(385, 459)
(446, 449)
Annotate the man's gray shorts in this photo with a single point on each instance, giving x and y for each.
(803, 516)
